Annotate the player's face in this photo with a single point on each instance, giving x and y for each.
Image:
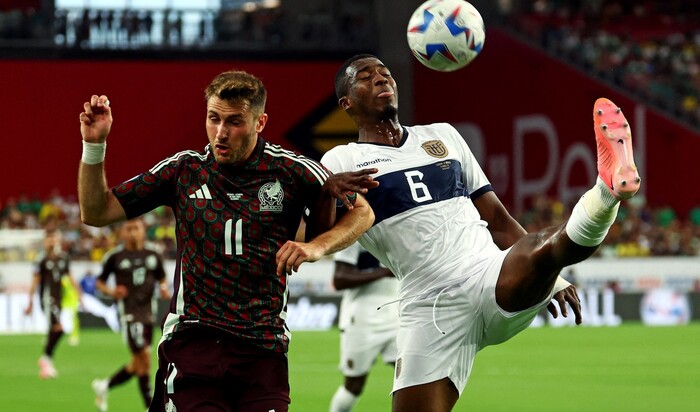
(52, 242)
(134, 232)
(372, 90)
(232, 129)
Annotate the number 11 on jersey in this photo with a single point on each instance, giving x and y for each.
(236, 236)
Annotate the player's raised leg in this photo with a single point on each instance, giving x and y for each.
(614, 140)
(533, 264)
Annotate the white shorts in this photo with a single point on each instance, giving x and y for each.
(470, 318)
(360, 346)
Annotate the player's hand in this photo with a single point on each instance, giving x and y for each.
(339, 184)
(28, 309)
(96, 119)
(120, 292)
(563, 297)
(292, 254)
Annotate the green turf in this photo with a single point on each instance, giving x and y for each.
(630, 368)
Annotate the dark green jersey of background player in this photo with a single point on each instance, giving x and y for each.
(139, 271)
(51, 269)
(231, 221)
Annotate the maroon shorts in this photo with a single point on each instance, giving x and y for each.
(203, 369)
(138, 336)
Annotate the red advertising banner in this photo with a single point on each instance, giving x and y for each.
(528, 118)
(158, 109)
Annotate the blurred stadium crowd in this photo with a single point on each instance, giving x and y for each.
(639, 231)
(244, 25)
(651, 48)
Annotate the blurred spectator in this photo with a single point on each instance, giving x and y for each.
(651, 48)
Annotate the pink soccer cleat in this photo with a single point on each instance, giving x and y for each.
(46, 368)
(614, 140)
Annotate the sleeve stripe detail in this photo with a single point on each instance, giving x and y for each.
(317, 170)
(175, 158)
(478, 192)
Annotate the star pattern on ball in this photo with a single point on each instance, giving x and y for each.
(427, 19)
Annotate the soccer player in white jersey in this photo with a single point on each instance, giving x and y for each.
(469, 275)
(365, 332)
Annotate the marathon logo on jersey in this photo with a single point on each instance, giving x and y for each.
(271, 196)
(372, 162)
(435, 148)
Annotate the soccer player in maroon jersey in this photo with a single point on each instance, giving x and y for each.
(237, 206)
(136, 269)
(52, 265)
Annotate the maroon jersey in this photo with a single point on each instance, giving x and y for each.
(51, 270)
(231, 221)
(139, 271)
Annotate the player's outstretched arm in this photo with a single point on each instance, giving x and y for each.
(345, 232)
(98, 205)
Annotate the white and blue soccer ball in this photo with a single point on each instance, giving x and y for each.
(446, 35)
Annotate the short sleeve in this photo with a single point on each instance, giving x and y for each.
(148, 190)
(474, 177)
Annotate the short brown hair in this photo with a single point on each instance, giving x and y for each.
(237, 85)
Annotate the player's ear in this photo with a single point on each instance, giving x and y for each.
(344, 103)
(262, 121)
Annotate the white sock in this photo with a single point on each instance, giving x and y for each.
(592, 216)
(343, 400)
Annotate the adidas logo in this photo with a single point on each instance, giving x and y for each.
(201, 193)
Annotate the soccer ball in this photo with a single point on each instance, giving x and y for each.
(446, 35)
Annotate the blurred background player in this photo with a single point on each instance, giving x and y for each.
(365, 332)
(137, 269)
(70, 305)
(52, 266)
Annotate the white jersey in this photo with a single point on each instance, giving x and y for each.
(360, 303)
(425, 187)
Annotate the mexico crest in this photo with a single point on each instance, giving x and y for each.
(271, 196)
(435, 148)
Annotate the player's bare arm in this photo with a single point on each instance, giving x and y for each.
(504, 229)
(118, 293)
(98, 205)
(347, 276)
(32, 289)
(347, 230)
(164, 290)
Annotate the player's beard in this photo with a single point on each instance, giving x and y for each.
(389, 112)
(238, 153)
